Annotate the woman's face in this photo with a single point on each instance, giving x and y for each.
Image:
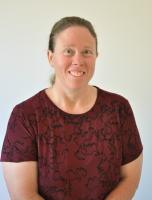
(74, 57)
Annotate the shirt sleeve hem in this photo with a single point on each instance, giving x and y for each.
(132, 158)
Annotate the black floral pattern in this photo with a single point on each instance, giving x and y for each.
(79, 155)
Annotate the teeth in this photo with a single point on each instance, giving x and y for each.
(76, 73)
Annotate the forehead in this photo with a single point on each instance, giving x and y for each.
(75, 34)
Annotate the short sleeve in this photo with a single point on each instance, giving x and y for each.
(20, 142)
(131, 141)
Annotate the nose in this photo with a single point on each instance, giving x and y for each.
(78, 59)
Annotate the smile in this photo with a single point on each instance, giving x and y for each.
(76, 73)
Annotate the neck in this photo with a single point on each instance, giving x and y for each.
(71, 96)
(73, 101)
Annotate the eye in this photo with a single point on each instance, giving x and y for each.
(68, 52)
(87, 52)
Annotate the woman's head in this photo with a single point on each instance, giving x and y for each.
(72, 52)
(67, 22)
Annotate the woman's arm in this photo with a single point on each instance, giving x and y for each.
(130, 174)
(21, 180)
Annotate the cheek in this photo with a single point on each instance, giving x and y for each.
(61, 62)
(91, 63)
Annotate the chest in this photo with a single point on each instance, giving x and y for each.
(76, 154)
(79, 139)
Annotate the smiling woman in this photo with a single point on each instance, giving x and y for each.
(76, 141)
(73, 58)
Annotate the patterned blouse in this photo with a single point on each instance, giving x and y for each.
(78, 155)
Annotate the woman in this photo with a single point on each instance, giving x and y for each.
(72, 141)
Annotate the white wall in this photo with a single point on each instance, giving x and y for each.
(124, 30)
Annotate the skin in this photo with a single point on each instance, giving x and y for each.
(128, 185)
(21, 185)
(73, 60)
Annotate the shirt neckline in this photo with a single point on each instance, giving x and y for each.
(51, 103)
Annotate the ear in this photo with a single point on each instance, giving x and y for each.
(50, 56)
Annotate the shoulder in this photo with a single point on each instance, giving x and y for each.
(111, 97)
(32, 104)
(114, 102)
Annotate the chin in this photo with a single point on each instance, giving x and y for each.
(76, 86)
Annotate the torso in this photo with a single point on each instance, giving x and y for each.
(79, 156)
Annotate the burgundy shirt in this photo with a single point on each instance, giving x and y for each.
(79, 155)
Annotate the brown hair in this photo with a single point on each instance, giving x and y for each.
(67, 22)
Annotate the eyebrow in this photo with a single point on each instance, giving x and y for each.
(73, 46)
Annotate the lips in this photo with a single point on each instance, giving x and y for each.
(76, 73)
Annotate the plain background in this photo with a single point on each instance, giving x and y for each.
(124, 65)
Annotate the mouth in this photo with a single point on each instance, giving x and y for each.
(76, 73)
